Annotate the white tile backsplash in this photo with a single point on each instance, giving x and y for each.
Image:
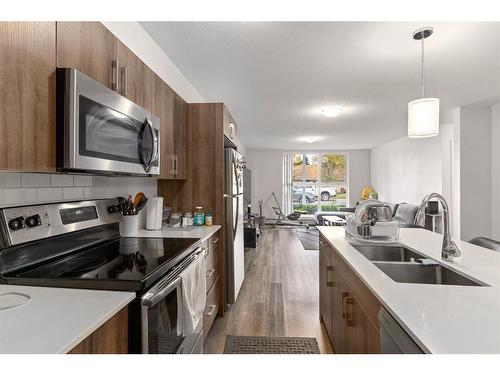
(25, 188)
(83, 180)
(72, 193)
(10, 180)
(35, 179)
(19, 196)
(61, 180)
(49, 194)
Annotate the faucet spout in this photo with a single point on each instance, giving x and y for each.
(449, 248)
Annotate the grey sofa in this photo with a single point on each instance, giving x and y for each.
(403, 213)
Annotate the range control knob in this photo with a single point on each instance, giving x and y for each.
(17, 223)
(33, 221)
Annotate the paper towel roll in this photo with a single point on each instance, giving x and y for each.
(154, 213)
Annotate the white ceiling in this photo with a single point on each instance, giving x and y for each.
(274, 77)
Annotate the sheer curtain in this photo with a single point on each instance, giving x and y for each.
(287, 183)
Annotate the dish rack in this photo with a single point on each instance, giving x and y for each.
(381, 232)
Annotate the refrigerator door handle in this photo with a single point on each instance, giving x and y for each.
(235, 228)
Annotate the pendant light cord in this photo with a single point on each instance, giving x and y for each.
(423, 71)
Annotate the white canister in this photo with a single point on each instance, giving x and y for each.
(154, 213)
(129, 225)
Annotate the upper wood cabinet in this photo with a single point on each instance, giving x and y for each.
(163, 107)
(135, 79)
(230, 126)
(90, 48)
(27, 103)
(180, 137)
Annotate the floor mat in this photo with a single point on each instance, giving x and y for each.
(270, 345)
(309, 238)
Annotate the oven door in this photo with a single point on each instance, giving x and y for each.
(103, 131)
(161, 313)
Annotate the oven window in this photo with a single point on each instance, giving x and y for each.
(108, 134)
(164, 335)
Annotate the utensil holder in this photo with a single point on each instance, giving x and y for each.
(129, 225)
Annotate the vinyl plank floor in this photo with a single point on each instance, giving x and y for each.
(279, 296)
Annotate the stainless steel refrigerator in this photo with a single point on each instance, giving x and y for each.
(233, 227)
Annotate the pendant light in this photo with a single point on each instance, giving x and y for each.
(423, 113)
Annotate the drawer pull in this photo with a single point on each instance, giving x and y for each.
(211, 310)
(114, 75)
(215, 241)
(329, 283)
(210, 272)
(343, 307)
(349, 301)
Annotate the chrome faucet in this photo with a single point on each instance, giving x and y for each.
(449, 248)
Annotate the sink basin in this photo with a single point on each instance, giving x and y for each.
(424, 274)
(380, 253)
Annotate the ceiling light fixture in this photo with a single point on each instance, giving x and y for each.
(331, 111)
(310, 139)
(423, 113)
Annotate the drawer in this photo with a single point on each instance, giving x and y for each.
(213, 241)
(211, 308)
(212, 267)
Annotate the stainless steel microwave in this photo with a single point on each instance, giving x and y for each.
(99, 131)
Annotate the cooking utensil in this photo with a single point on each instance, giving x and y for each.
(137, 199)
(141, 204)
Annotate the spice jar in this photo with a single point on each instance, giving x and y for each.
(208, 219)
(189, 218)
(175, 220)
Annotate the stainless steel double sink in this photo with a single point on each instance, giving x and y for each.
(404, 265)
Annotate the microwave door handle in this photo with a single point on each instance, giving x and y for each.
(148, 164)
(154, 138)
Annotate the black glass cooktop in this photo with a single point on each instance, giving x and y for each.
(122, 264)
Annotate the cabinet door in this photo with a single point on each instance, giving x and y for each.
(180, 137)
(90, 48)
(135, 78)
(27, 103)
(163, 107)
(326, 285)
(365, 336)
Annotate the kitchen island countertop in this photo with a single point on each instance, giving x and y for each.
(440, 318)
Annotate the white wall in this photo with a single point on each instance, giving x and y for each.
(406, 170)
(133, 35)
(475, 172)
(495, 171)
(267, 175)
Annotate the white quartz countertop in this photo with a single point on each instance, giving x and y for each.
(54, 320)
(440, 318)
(201, 232)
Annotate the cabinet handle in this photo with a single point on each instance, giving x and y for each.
(210, 272)
(328, 270)
(176, 165)
(321, 243)
(211, 311)
(215, 241)
(114, 75)
(171, 172)
(124, 74)
(349, 301)
(343, 307)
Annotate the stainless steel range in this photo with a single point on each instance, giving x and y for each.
(77, 245)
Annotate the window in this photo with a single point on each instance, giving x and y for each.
(318, 182)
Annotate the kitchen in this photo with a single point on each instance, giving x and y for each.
(126, 218)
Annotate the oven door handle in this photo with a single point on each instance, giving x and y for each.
(151, 299)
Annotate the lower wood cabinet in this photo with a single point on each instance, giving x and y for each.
(214, 282)
(348, 309)
(110, 338)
